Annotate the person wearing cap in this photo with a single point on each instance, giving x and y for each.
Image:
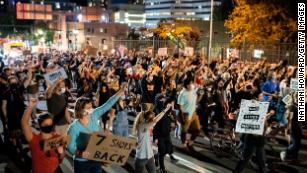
(82, 127)
(42, 162)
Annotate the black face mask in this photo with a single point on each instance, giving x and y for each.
(47, 129)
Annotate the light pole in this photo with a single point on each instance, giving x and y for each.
(210, 34)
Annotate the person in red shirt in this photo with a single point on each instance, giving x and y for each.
(42, 162)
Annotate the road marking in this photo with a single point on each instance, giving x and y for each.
(185, 162)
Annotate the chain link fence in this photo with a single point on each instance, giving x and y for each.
(273, 52)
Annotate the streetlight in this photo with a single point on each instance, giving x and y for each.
(79, 17)
(103, 18)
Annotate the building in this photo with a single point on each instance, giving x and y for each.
(131, 14)
(157, 10)
(98, 3)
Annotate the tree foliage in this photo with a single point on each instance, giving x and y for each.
(260, 21)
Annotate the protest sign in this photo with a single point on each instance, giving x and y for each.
(232, 53)
(110, 148)
(251, 118)
(54, 143)
(188, 51)
(53, 76)
(162, 51)
(287, 99)
(122, 50)
(294, 84)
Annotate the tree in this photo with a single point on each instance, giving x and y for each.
(261, 21)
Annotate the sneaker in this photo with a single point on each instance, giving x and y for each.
(163, 171)
(283, 156)
(173, 159)
(206, 138)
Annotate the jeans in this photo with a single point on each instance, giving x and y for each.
(87, 167)
(121, 131)
(250, 146)
(294, 147)
(141, 164)
(165, 146)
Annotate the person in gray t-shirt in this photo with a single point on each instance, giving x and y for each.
(143, 125)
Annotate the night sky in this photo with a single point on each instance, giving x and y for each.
(84, 2)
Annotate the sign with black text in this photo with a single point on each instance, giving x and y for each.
(110, 148)
(55, 143)
(251, 118)
(55, 75)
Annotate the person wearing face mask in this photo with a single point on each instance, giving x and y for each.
(42, 162)
(187, 101)
(119, 122)
(13, 106)
(142, 126)
(86, 122)
(57, 106)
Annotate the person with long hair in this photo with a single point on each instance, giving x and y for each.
(144, 123)
(86, 122)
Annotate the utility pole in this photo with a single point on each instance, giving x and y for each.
(210, 34)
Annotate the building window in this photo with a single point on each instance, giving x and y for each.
(178, 2)
(101, 30)
(105, 30)
(88, 29)
(93, 30)
(103, 41)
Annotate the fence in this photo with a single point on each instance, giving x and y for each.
(273, 52)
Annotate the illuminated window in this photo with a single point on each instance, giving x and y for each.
(178, 2)
(1, 2)
(190, 13)
(57, 5)
(199, 7)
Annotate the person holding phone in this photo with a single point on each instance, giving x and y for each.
(86, 122)
(47, 162)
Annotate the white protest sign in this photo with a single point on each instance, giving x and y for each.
(294, 84)
(122, 50)
(188, 51)
(251, 118)
(110, 148)
(53, 76)
(287, 99)
(162, 51)
(258, 53)
(232, 53)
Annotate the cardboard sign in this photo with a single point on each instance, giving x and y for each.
(55, 143)
(55, 75)
(287, 99)
(251, 118)
(110, 148)
(162, 51)
(188, 51)
(294, 84)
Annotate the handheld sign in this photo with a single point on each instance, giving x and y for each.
(53, 76)
(162, 51)
(55, 143)
(294, 84)
(287, 99)
(252, 117)
(110, 148)
(188, 51)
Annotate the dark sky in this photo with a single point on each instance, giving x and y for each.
(84, 2)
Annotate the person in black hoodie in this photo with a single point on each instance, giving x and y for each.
(161, 133)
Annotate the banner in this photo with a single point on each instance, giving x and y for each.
(110, 148)
(294, 84)
(162, 51)
(251, 118)
(53, 76)
(188, 51)
(55, 143)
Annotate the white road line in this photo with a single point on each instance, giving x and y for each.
(185, 162)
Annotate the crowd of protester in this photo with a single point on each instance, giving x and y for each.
(184, 94)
